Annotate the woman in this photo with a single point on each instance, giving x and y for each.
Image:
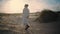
(26, 16)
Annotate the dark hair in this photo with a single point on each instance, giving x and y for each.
(26, 5)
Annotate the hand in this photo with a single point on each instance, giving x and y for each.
(27, 16)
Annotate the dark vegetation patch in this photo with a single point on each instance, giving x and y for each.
(47, 16)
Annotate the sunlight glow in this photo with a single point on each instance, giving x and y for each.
(16, 6)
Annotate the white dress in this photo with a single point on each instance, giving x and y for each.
(25, 20)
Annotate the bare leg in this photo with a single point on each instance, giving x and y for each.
(27, 26)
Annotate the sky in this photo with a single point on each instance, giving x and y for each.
(16, 6)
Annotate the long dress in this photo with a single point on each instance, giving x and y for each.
(25, 16)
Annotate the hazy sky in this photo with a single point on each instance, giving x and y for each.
(16, 6)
